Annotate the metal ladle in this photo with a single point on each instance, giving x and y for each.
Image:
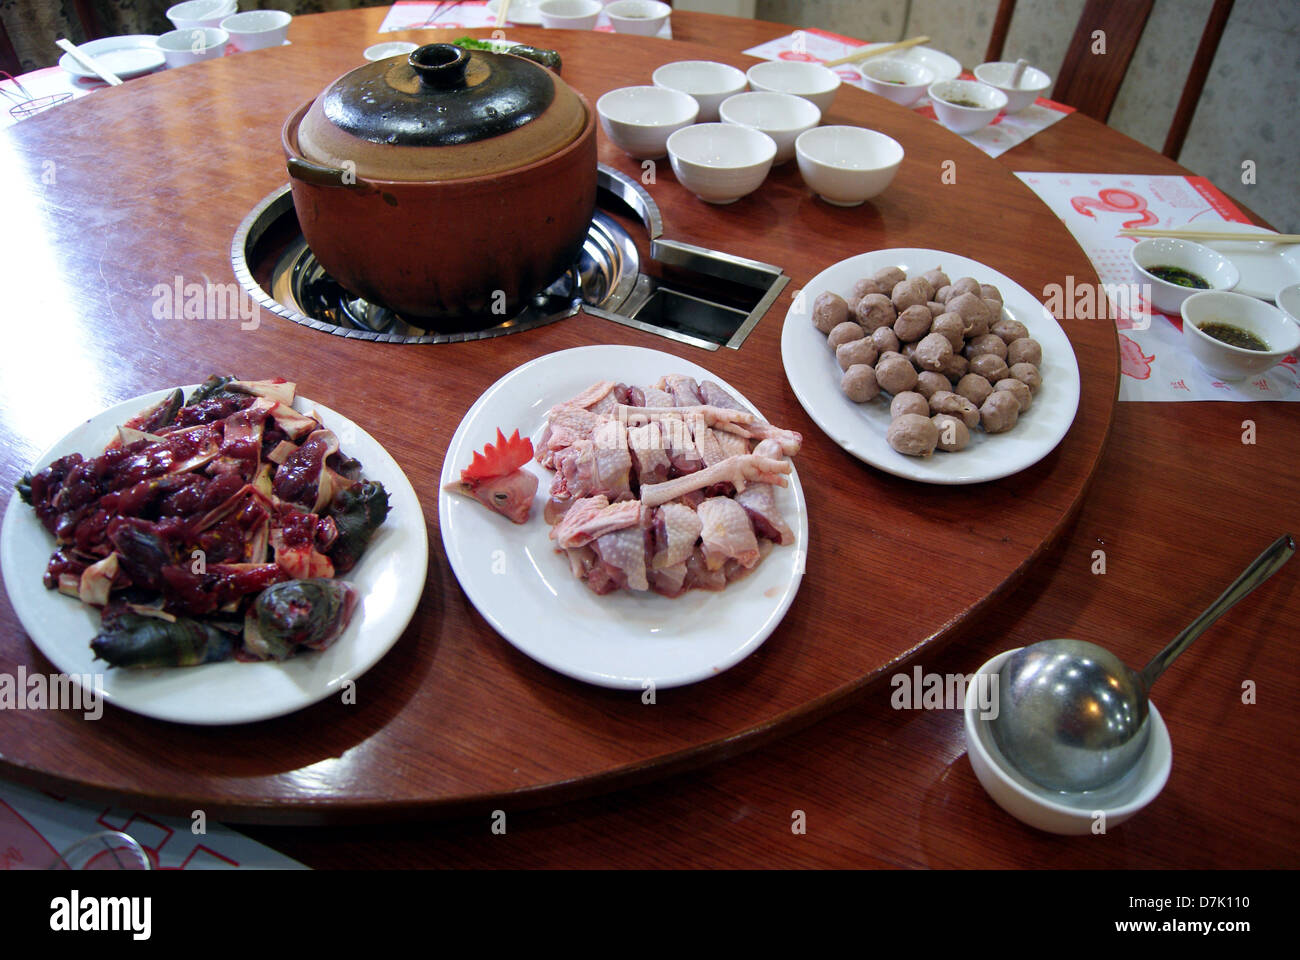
(1072, 717)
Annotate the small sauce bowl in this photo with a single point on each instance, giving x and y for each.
(782, 116)
(721, 162)
(708, 82)
(997, 74)
(1210, 265)
(641, 119)
(1223, 360)
(901, 81)
(846, 166)
(961, 119)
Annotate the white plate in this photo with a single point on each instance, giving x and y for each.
(1265, 267)
(521, 12)
(389, 579)
(524, 589)
(943, 66)
(390, 48)
(860, 427)
(127, 56)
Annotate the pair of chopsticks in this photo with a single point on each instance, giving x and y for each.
(1212, 236)
(863, 52)
(502, 11)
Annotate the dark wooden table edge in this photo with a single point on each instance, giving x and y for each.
(330, 812)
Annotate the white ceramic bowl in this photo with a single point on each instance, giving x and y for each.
(997, 74)
(720, 162)
(389, 48)
(195, 14)
(641, 17)
(960, 119)
(1288, 300)
(811, 81)
(1213, 267)
(901, 81)
(257, 29)
(782, 116)
(1264, 320)
(569, 14)
(1067, 813)
(180, 48)
(641, 119)
(708, 82)
(847, 165)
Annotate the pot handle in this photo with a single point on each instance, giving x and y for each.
(322, 176)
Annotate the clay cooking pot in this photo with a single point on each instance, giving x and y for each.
(449, 185)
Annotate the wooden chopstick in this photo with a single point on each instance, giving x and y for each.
(502, 11)
(1213, 236)
(863, 52)
(89, 62)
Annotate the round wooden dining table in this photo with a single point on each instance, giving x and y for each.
(455, 729)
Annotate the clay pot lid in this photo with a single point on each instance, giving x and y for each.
(439, 113)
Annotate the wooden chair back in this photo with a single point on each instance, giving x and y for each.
(1090, 81)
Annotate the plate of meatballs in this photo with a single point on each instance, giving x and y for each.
(930, 366)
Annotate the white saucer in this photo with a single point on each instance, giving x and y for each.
(127, 56)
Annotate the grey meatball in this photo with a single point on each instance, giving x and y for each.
(910, 293)
(1025, 350)
(990, 292)
(885, 339)
(945, 401)
(913, 435)
(955, 367)
(999, 412)
(1027, 374)
(936, 308)
(856, 351)
(873, 311)
(888, 277)
(943, 293)
(909, 402)
(933, 352)
(938, 279)
(974, 388)
(859, 383)
(990, 366)
(865, 286)
(966, 285)
(995, 310)
(844, 333)
(895, 374)
(954, 435)
(829, 311)
(987, 343)
(928, 383)
(1009, 330)
(951, 326)
(913, 323)
(1018, 390)
(973, 312)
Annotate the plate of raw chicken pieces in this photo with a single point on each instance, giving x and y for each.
(645, 526)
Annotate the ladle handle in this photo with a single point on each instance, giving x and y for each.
(1263, 567)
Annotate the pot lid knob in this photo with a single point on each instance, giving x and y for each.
(440, 66)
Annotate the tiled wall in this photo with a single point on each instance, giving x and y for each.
(1247, 111)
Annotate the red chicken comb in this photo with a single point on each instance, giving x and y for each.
(505, 458)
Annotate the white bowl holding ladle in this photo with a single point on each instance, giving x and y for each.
(1072, 717)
